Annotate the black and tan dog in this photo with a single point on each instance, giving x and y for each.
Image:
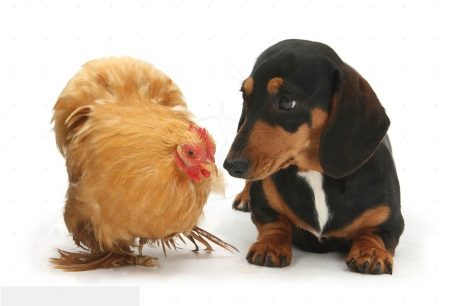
(313, 148)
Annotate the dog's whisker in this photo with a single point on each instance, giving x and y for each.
(243, 78)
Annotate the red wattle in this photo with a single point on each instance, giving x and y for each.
(194, 174)
(206, 173)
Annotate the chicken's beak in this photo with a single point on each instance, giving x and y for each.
(210, 167)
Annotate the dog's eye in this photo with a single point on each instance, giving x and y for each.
(286, 104)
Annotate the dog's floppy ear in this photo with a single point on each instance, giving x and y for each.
(358, 124)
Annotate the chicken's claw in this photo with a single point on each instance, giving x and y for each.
(146, 261)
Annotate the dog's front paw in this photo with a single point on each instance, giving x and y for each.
(242, 202)
(270, 254)
(368, 253)
(370, 260)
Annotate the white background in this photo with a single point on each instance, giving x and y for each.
(208, 48)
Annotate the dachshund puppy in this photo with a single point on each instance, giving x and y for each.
(313, 147)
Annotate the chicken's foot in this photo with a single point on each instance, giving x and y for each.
(146, 261)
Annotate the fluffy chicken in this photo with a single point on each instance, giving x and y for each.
(138, 167)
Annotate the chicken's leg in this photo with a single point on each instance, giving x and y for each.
(141, 260)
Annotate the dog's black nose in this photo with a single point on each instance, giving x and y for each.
(236, 167)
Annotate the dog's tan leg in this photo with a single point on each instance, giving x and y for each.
(242, 200)
(273, 247)
(368, 253)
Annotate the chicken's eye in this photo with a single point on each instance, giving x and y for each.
(286, 104)
(191, 153)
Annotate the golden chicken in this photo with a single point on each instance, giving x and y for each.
(138, 167)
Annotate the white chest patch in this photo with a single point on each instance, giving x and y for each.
(315, 181)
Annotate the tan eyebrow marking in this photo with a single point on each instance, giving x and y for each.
(248, 85)
(274, 84)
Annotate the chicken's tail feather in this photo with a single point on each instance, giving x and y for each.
(196, 234)
(84, 261)
(200, 235)
(168, 242)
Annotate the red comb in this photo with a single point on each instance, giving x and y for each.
(200, 131)
(204, 136)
